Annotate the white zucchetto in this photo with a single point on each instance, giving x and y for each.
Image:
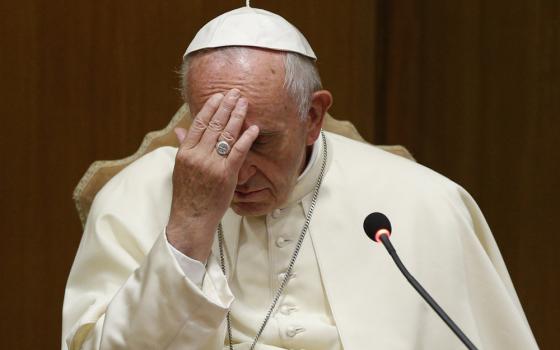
(248, 26)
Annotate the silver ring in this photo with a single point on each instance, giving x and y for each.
(223, 148)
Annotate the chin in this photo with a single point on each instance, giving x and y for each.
(252, 208)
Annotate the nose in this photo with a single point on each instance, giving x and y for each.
(245, 173)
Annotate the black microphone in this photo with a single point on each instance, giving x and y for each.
(378, 228)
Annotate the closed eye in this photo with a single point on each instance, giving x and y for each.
(260, 141)
(263, 141)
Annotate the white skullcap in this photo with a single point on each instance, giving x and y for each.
(249, 26)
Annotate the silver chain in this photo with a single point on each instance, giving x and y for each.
(292, 260)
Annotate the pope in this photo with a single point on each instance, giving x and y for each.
(249, 234)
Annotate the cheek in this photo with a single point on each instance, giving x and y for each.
(274, 171)
(288, 168)
(279, 173)
(281, 165)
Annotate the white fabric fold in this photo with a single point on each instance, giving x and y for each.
(193, 269)
(127, 289)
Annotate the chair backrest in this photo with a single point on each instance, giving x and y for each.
(100, 172)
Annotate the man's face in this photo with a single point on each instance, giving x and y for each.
(278, 155)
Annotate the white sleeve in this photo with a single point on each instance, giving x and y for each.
(155, 305)
(193, 269)
(126, 289)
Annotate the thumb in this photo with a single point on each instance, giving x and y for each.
(240, 149)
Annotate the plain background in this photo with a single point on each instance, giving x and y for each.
(471, 87)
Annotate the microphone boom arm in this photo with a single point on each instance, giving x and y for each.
(425, 295)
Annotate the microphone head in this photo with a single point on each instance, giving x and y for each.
(376, 224)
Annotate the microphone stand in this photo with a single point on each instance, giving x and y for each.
(448, 321)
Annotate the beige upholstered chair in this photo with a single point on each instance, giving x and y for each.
(100, 172)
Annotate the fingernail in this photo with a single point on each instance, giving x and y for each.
(243, 102)
(217, 97)
(235, 93)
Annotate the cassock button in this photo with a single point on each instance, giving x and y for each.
(294, 330)
(276, 213)
(283, 274)
(281, 242)
(287, 309)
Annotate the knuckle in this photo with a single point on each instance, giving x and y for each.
(182, 157)
(216, 125)
(228, 136)
(237, 115)
(198, 124)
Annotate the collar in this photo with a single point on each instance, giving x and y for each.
(308, 178)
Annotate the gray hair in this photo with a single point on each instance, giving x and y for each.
(301, 79)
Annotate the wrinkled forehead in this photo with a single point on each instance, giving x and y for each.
(231, 59)
(259, 76)
(257, 73)
(246, 61)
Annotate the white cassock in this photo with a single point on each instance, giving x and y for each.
(128, 290)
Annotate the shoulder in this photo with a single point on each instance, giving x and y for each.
(142, 187)
(363, 178)
(151, 166)
(152, 169)
(370, 167)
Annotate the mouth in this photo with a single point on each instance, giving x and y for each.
(249, 195)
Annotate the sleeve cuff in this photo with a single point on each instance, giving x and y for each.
(193, 269)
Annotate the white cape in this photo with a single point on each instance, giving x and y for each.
(125, 289)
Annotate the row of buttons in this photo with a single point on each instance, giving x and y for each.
(286, 309)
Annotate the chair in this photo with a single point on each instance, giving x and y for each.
(100, 172)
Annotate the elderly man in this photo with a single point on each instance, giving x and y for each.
(249, 235)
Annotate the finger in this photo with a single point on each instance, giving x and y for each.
(240, 149)
(220, 119)
(201, 120)
(233, 127)
(181, 133)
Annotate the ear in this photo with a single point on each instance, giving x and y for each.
(320, 103)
